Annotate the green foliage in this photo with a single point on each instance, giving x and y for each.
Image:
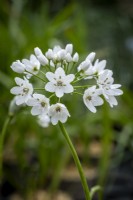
(42, 153)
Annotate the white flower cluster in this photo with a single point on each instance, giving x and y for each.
(54, 69)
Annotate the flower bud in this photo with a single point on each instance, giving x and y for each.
(68, 57)
(69, 48)
(49, 54)
(91, 56)
(13, 108)
(84, 65)
(43, 60)
(37, 51)
(18, 67)
(75, 57)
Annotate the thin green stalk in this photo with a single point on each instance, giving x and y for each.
(39, 88)
(79, 79)
(71, 68)
(42, 72)
(78, 93)
(37, 76)
(77, 162)
(82, 86)
(67, 67)
(2, 137)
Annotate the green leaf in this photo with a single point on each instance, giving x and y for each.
(95, 189)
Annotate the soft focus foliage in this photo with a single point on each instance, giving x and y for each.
(99, 26)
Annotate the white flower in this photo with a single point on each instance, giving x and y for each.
(39, 103)
(105, 78)
(69, 48)
(87, 64)
(23, 91)
(76, 57)
(91, 98)
(59, 82)
(91, 56)
(61, 55)
(95, 70)
(31, 66)
(68, 58)
(57, 49)
(13, 108)
(84, 66)
(18, 67)
(42, 59)
(58, 112)
(44, 120)
(112, 101)
(110, 91)
(57, 54)
(49, 54)
(99, 66)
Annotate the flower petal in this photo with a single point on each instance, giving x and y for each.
(35, 110)
(97, 101)
(51, 77)
(59, 92)
(19, 81)
(50, 87)
(69, 78)
(32, 102)
(91, 107)
(112, 101)
(54, 120)
(16, 90)
(59, 72)
(68, 88)
(20, 100)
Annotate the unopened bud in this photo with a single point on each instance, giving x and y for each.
(69, 48)
(91, 56)
(76, 57)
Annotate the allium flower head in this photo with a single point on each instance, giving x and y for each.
(58, 76)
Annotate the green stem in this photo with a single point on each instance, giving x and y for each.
(79, 79)
(78, 93)
(37, 76)
(82, 86)
(2, 137)
(77, 162)
(42, 72)
(39, 88)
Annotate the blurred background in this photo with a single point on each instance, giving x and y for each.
(37, 162)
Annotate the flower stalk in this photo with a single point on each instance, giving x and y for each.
(77, 162)
(2, 137)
